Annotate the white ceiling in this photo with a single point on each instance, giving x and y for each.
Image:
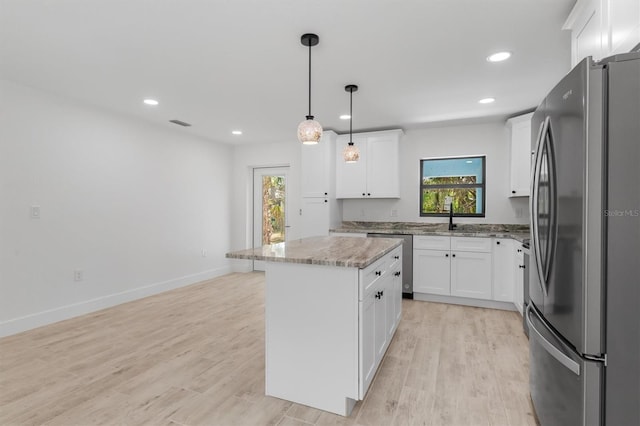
(239, 64)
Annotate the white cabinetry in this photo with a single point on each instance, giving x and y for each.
(471, 274)
(519, 271)
(380, 311)
(601, 28)
(377, 173)
(431, 271)
(320, 209)
(503, 269)
(520, 155)
(452, 266)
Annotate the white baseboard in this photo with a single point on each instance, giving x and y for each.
(31, 321)
(466, 301)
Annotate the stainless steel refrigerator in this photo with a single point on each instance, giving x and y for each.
(584, 314)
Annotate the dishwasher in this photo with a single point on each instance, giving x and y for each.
(407, 261)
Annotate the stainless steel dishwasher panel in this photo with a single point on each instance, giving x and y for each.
(407, 261)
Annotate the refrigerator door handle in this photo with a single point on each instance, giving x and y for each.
(534, 204)
(550, 348)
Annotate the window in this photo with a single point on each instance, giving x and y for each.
(459, 182)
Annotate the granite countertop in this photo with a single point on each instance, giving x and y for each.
(329, 251)
(517, 232)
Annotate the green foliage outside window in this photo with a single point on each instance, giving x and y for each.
(460, 180)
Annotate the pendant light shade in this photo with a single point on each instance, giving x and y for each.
(351, 153)
(309, 131)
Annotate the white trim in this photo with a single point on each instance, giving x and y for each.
(28, 322)
(576, 12)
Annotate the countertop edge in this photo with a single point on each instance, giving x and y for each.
(314, 261)
(518, 236)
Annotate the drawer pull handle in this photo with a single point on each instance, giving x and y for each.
(396, 257)
(378, 273)
(397, 274)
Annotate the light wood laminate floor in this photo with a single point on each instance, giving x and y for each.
(195, 356)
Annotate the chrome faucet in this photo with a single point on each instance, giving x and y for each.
(451, 224)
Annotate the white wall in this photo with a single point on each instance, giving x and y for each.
(245, 158)
(130, 204)
(490, 139)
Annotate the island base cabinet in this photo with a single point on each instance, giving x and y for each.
(311, 335)
(327, 329)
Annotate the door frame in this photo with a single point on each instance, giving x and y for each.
(252, 197)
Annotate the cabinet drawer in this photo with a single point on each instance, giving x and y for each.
(471, 244)
(431, 243)
(395, 258)
(371, 274)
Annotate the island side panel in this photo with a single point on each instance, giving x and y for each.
(311, 339)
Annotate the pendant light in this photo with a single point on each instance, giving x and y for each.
(309, 131)
(351, 153)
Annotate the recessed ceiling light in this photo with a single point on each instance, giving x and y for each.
(499, 56)
(150, 102)
(345, 117)
(236, 132)
(469, 161)
(486, 101)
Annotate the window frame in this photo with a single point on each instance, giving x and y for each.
(481, 186)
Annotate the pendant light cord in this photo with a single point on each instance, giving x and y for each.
(351, 115)
(310, 83)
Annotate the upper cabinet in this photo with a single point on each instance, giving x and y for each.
(601, 28)
(520, 155)
(320, 210)
(318, 167)
(377, 173)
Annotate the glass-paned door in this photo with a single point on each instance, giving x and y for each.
(270, 221)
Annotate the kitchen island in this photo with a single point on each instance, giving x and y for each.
(332, 305)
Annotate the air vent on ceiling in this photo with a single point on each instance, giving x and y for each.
(180, 123)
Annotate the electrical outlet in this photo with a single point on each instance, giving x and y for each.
(362, 212)
(394, 213)
(35, 212)
(78, 275)
(204, 253)
(519, 212)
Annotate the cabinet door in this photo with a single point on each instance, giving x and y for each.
(431, 272)
(519, 271)
(624, 25)
(520, 156)
(383, 177)
(367, 342)
(390, 304)
(380, 328)
(351, 178)
(503, 269)
(315, 217)
(397, 296)
(315, 168)
(588, 34)
(471, 274)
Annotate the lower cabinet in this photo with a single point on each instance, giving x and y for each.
(503, 269)
(471, 274)
(380, 312)
(464, 270)
(519, 271)
(367, 342)
(431, 271)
